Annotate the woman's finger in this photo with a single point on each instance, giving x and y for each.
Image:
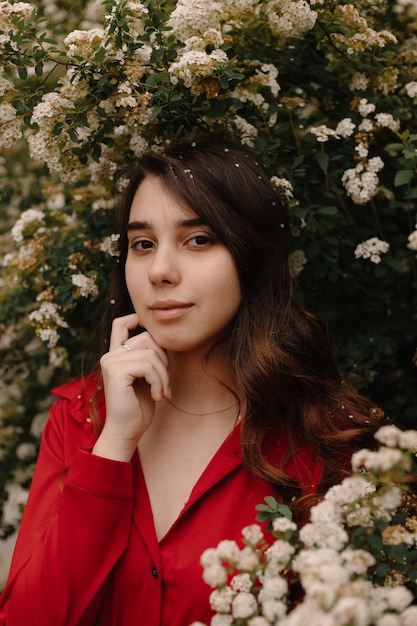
(121, 328)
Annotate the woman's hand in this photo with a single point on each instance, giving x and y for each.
(134, 380)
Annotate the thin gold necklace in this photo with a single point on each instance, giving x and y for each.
(200, 414)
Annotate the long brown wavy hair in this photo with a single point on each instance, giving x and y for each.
(281, 356)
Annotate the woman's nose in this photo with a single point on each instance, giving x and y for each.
(164, 267)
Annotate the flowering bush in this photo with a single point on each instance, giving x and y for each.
(354, 563)
(323, 91)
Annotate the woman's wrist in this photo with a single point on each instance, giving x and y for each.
(114, 447)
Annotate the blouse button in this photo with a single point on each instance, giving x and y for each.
(154, 572)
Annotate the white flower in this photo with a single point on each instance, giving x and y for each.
(9, 10)
(26, 451)
(325, 512)
(389, 499)
(209, 557)
(196, 64)
(248, 132)
(110, 245)
(10, 130)
(389, 435)
(253, 534)
(244, 605)
(296, 261)
(241, 582)
(258, 621)
(411, 89)
(31, 219)
(365, 107)
(290, 18)
(359, 82)
(361, 182)
(220, 599)
(248, 559)
(371, 249)
(408, 440)
(323, 133)
(350, 490)
(322, 593)
(360, 516)
(321, 564)
(362, 150)
(366, 126)
(324, 535)
(412, 240)
(398, 598)
(14, 503)
(409, 616)
(221, 620)
(282, 524)
(214, 575)
(284, 185)
(86, 284)
(307, 613)
(357, 561)
(386, 120)
(351, 611)
(273, 610)
(47, 319)
(381, 460)
(345, 127)
(194, 17)
(280, 552)
(273, 588)
(228, 550)
(267, 76)
(84, 43)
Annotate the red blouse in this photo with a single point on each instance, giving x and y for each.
(87, 553)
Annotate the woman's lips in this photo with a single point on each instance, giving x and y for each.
(169, 310)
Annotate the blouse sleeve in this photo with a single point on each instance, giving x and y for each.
(75, 527)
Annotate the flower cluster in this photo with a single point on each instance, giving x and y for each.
(361, 182)
(322, 92)
(290, 19)
(342, 559)
(47, 320)
(371, 249)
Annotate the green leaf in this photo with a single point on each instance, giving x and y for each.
(39, 68)
(410, 194)
(155, 112)
(323, 160)
(73, 135)
(100, 55)
(271, 501)
(158, 77)
(57, 129)
(403, 177)
(23, 73)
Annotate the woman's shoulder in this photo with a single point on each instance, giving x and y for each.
(79, 398)
(73, 389)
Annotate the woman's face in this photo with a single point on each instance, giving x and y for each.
(182, 280)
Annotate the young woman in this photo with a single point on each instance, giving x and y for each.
(218, 389)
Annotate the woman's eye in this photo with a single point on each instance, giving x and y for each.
(142, 244)
(200, 240)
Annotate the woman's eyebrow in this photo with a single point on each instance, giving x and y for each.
(138, 226)
(194, 221)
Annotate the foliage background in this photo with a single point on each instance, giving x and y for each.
(324, 92)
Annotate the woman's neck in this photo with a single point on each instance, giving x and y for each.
(201, 386)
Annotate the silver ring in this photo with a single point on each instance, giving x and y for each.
(125, 345)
